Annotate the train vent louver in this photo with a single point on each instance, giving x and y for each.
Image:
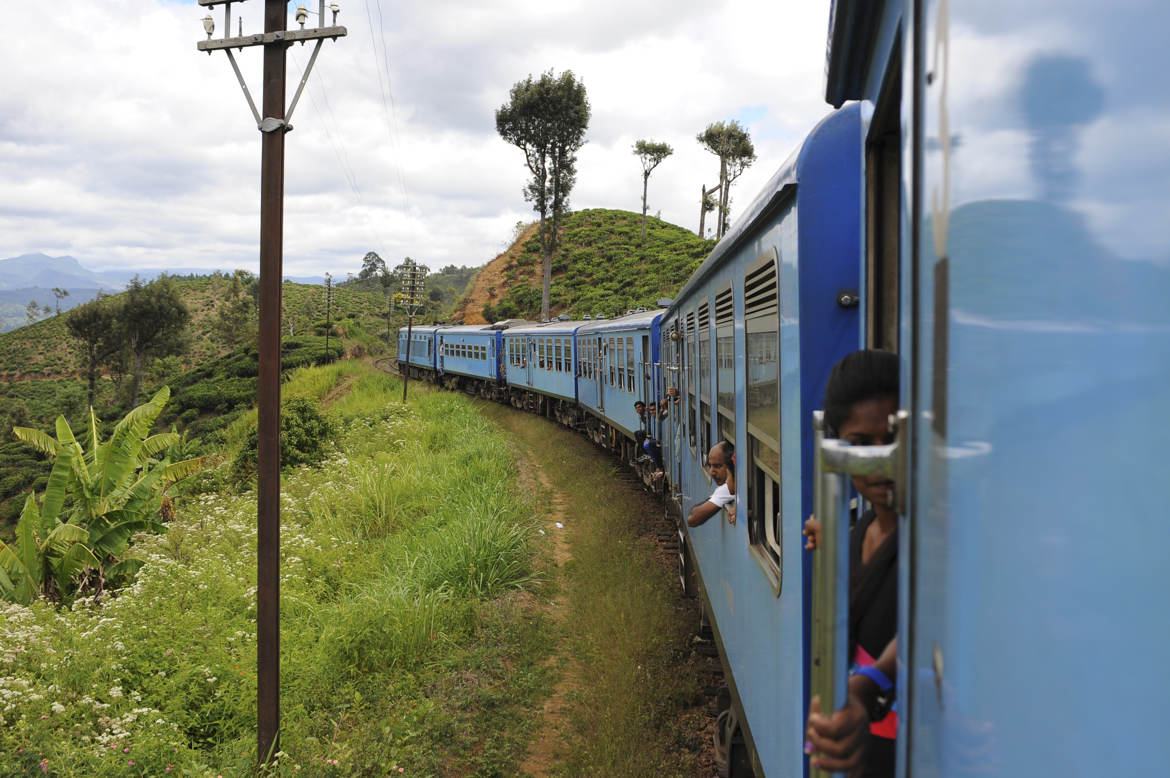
(704, 317)
(724, 308)
(759, 291)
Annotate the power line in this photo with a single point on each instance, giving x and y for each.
(388, 113)
(342, 157)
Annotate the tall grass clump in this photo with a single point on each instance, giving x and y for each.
(385, 661)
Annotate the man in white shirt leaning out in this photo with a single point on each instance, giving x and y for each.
(721, 463)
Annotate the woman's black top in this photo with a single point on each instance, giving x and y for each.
(873, 621)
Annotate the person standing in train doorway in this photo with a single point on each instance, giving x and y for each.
(861, 395)
(721, 463)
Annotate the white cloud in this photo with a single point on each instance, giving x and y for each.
(124, 146)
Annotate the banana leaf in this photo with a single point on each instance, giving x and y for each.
(127, 568)
(56, 488)
(27, 547)
(177, 471)
(7, 587)
(36, 439)
(119, 455)
(114, 539)
(158, 443)
(75, 560)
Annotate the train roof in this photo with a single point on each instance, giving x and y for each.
(466, 329)
(554, 327)
(771, 194)
(637, 320)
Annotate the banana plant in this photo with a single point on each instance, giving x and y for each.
(95, 499)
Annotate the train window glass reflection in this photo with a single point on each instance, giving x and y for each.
(725, 363)
(762, 385)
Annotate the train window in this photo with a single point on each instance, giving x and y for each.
(620, 359)
(630, 372)
(649, 390)
(689, 378)
(704, 338)
(762, 330)
(725, 364)
(560, 355)
(612, 353)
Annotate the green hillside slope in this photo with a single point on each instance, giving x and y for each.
(602, 266)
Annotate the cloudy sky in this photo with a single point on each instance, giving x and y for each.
(123, 146)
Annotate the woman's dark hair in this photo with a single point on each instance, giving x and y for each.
(860, 376)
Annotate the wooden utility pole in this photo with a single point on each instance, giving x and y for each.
(413, 275)
(273, 125)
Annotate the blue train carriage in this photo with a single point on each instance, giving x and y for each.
(618, 363)
(1026, 298)
(421, 359)
(469, 359)
(748, 344)
(539, 364)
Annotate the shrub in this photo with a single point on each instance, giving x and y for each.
(305, 435)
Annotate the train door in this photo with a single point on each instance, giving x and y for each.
(529, 358)
(602, 370)
(1041, 357)
(442, 353)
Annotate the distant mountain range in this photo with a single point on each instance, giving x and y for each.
(32, 278)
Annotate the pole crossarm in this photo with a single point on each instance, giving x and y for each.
(220, 2)
(260, 39)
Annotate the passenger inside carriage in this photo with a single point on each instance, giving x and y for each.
(721, 463)
(861, 394)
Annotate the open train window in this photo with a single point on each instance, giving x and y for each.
(704, 337)
(761, 304)
(883, 181)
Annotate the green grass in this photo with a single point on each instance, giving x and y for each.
(408, 637)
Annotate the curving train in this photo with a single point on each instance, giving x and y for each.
(991, 201)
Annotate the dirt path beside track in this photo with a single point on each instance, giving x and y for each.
(635, 690)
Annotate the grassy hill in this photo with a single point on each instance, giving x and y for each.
(602, 266)
(44, 349)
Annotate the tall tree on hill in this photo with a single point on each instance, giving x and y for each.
(59, 293)
(32, 311)
(373, 267)
(731, 143)
(151, 321)
(93, 325)
(235, 320)
(547, 119)
(651, 154)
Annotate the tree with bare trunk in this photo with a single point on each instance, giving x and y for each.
(730, 142)
(651, 154)
(546, 119)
